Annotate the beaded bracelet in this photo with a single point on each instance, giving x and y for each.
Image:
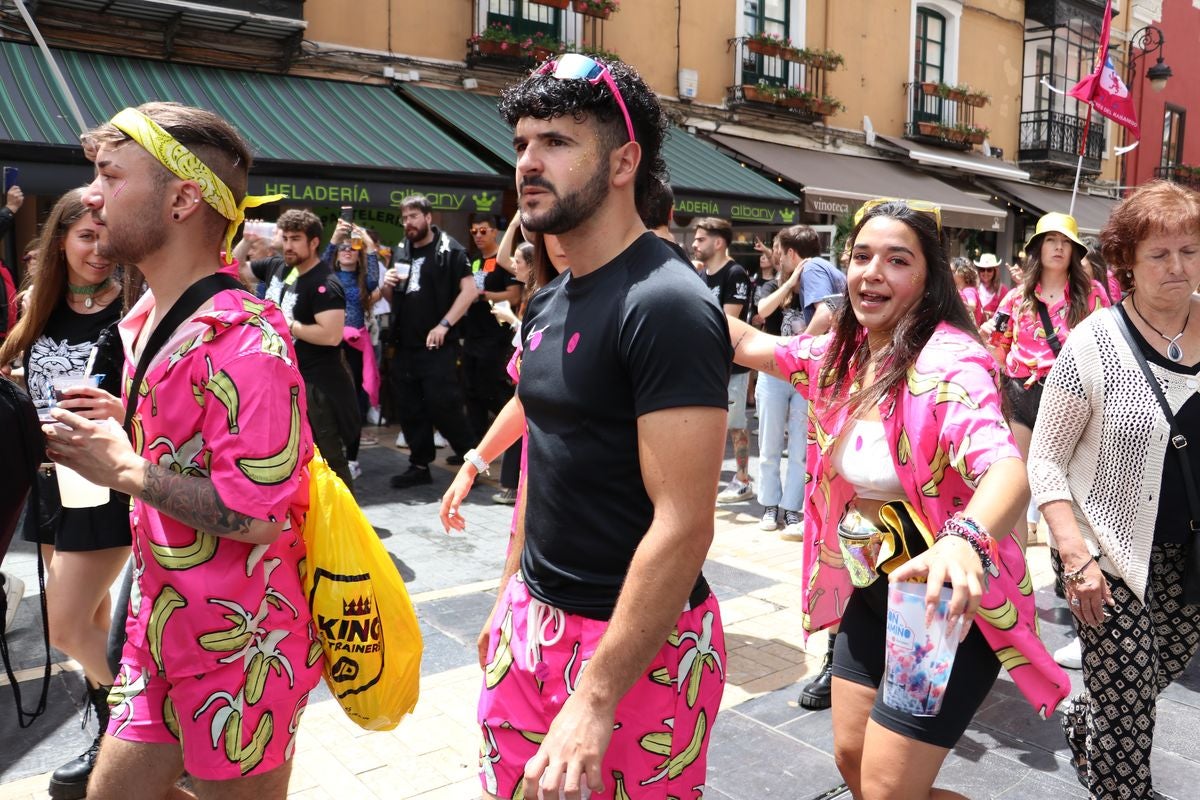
(975, 534)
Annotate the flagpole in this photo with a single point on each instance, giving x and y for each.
(1087, 124)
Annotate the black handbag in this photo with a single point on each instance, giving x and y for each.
(1191, 591)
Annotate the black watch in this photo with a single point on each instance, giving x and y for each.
(445, 323)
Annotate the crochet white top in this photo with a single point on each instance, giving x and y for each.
(1100, 443)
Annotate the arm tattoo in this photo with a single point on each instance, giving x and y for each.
(192, 500)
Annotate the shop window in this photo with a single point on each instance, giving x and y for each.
(766, 16)
(1172, 142)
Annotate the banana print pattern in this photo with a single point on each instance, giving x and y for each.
(944, 429)
(662, 726)
(222, 624)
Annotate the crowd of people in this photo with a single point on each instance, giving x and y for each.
(921, 405)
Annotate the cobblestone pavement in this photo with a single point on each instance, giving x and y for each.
(763, 745)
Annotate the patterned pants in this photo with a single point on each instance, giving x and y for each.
(1127, 662)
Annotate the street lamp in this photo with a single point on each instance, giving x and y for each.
(1150, 40)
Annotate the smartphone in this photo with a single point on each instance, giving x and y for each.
(12, 176)
(348, 213)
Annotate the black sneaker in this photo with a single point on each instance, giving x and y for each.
(455, 460)
(413, 476)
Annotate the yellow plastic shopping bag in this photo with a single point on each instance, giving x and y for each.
(361, 610)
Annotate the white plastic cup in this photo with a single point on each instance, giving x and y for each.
(403, 269)
(919, 659)
(76, 491)
(59, 385)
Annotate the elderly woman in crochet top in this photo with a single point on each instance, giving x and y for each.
(1099, 453)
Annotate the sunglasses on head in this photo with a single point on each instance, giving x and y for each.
(578, 67)
(920, 206)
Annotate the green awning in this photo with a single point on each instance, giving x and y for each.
(706, 182)
(288, 120)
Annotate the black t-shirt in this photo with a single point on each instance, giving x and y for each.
(638, 335)
(429, 293)
(302, 298)
(1171, 522)
(480, 325)
(64, 346)
(730, 284)
(773, 322)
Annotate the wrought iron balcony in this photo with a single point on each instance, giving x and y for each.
(1050, 142)
(777, 77)
(944, 116)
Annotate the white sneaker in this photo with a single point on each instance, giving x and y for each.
(1070, 655)
(736, 491)
(14, 590)
(374, 417)
(793, 526)
(439, 441)
(770, 519)
(355, 470)
(401, 441)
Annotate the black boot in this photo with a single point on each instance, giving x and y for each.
(816, 695)
(69, 782)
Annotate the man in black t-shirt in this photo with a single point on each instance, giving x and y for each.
(624, 364)
(314, 304)
(730, 287)
(430, 289)
(487, 342)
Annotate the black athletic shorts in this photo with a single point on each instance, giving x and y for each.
(858, 657)
(1024, 401)
(79, 529)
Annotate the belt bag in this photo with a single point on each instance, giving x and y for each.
(869, 551)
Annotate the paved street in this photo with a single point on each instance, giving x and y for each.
(763, 746)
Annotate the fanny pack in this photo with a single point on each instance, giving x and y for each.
(869, 551)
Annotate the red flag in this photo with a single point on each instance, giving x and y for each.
(1104, 89)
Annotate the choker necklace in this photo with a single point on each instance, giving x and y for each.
(1174, 351)
(89, 291)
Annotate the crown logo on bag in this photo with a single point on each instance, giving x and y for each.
(357, 608)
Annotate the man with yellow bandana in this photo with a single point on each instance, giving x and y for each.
(220, 653)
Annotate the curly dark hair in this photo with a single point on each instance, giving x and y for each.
(545, 97)
(848, 348)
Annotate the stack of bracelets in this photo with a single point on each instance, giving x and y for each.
(976, 535)
(1077, 577)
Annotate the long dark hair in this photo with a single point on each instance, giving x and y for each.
(1079, 281)
(360, 277)
(849, 351)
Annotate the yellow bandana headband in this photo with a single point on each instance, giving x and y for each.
(184, 164)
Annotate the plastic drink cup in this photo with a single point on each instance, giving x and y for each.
(403, 268)
(77, 491)
(503, 306)
(919, 658)
(60, 385)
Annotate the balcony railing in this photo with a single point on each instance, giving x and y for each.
(1180, 173)
(782, 79)
(1050, 141)
(943, 118)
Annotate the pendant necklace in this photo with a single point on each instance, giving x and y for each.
(89, 292)
(1174, 351)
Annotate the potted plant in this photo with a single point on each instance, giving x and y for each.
(497, 39)
(794, 97)
(542, 46)
(945, 91)
(826, 106)
(762, 92)
(973, 135)
(768, 44)
(553, 3)
(978, 98)
(820, 59)
(932, 129)
(601, 9)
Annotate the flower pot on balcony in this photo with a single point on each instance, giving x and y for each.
(589, 11)
(944, 92)
(500, 49)
(974, 137)
(977, 100)
(823, 107)
(540, 54)
(552, 3)
(763, 48)
(795, 102)
(930, 129)
(753, 94)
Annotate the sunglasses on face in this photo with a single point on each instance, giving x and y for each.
(480, 231)
(345, 248)
(577, 67)
(920, 206)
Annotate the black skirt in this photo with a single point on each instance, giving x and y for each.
(79, 529)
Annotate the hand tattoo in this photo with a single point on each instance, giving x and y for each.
(192, 500)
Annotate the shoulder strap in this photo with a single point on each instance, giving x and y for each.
(1178, 440)
(1048, 326)
(188, 302)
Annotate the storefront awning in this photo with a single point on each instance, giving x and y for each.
(290, 122)
(837, 184)
(1091, 212)
(705, 181)
(963, 161)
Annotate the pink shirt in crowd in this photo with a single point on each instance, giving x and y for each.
(1029, 355)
